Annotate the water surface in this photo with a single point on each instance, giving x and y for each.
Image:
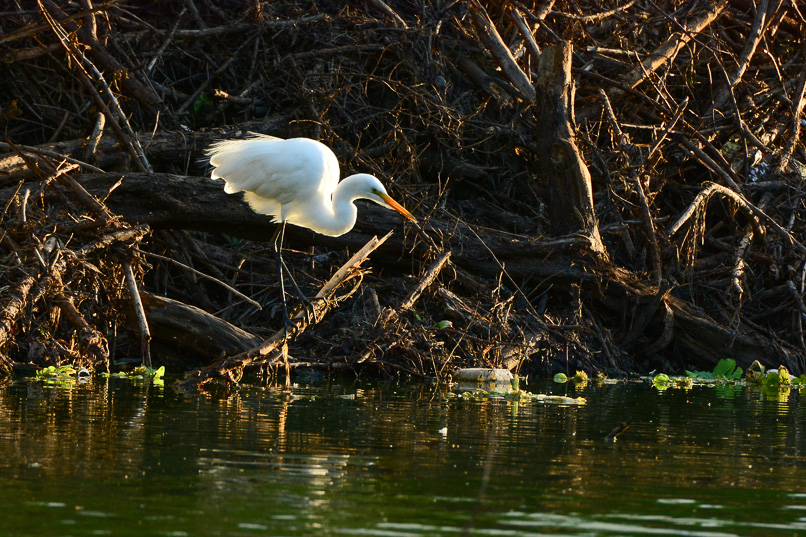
(111, 458)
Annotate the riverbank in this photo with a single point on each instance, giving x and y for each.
(610, 187)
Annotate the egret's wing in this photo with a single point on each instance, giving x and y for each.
(276, 172)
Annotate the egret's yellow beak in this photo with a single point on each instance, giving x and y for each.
(396, 206)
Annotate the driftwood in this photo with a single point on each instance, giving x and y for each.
(273, 349)
(13, 309)
(617, 185)
(192, 330)
(199, 203)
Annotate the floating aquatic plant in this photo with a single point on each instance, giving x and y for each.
(725, 370)
(141, 373)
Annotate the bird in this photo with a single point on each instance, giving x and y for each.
(296, 181)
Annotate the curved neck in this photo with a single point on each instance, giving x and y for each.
(344, 213)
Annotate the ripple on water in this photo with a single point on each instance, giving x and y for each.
(396, 460)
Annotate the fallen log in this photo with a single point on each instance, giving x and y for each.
(175, 146)
(193, 330)
(198, 203)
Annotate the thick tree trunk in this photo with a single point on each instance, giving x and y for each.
(561, 165)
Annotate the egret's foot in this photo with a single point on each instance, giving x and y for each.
(289, 328)
(307, 306)
(308, 309)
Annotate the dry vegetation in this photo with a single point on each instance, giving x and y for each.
(663, 227)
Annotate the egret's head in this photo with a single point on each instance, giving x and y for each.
(373, 190)
(382, 198)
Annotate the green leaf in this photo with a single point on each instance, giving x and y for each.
(141, 373)
(53, 371)
(700, 375)
(560, 378)
(775, 378)
(661, 381)
(726, 369)
(201, 100)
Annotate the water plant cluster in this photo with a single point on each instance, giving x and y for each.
(518, 396)
(771, 381)
(67, 376)
(776, 383)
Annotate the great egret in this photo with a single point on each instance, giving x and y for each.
(297, 182)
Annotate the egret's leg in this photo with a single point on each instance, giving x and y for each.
(278, 254)
(307, 306)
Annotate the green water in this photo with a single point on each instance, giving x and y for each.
(110, 458)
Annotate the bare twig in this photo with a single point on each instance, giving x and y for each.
(669, 48)
(95, 137)
(91, 340)
(383, 6)
(700, 155)
(798, 105)
(201, 275)
(528, 38)
(501, 52)
(430, 275)
(51, 154)
(646, 216)
(128, 138)
(600, 15)
(12, 309)
(743, 203)
(142, 322)
(167, 41)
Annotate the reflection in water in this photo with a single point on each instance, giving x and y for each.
(380, 459)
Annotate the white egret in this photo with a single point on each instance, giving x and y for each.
(297, 182)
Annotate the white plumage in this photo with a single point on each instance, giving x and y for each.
(296, 181)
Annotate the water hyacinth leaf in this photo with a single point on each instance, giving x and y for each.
(726, 369)
(53, 371)
(661, 381)
(141, 373)
(777, 377)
